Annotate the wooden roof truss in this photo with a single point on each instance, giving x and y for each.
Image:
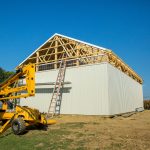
(76, 53)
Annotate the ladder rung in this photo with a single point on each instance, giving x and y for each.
(53, 102)
(50, 112)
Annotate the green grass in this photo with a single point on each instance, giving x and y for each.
(57, 137)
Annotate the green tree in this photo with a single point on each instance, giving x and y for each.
(4, 74)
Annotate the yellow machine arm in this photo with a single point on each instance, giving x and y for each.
(21, 116)
(7, 89)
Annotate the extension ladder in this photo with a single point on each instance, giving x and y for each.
(56, 91)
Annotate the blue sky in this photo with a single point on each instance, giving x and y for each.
(120, 25)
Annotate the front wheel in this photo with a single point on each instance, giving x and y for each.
(18, 126)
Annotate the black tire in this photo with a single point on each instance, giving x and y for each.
(18, 126)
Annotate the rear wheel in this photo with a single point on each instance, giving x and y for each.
(18, 126)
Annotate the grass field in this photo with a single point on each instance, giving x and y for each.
(85, 132)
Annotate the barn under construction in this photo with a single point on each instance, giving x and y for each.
(95, 80)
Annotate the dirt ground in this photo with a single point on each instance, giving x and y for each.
(78, 132)
(111, 133)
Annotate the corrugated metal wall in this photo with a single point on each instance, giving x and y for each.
(125, 94)
(98, 89)
(87, 94)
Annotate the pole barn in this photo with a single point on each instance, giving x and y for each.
(96, 80)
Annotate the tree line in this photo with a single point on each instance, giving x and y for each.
(4, 74)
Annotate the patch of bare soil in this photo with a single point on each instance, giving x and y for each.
(95, 132)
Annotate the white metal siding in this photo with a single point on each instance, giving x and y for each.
(99, 89)
(125, 94)
(88, 92)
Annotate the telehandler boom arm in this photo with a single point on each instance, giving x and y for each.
(7, 89)
(19, 117)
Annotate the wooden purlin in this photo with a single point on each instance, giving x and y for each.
(53, 50)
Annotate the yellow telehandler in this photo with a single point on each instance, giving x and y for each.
(15, 116)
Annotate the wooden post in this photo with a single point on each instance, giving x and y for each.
(56, 49)
(77, 61)
(37, 61)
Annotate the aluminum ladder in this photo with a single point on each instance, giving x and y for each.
(56, 92)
